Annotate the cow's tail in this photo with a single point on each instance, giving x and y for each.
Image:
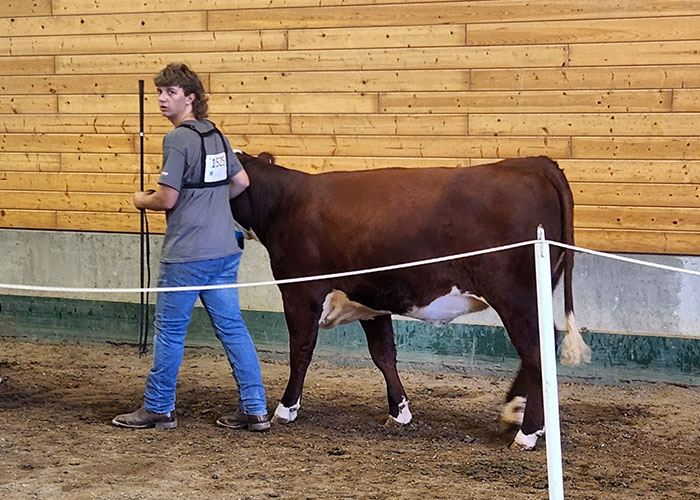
(573, 350)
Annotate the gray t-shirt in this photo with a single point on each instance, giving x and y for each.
(200, 225)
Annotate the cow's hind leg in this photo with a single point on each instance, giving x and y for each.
(380, 340)
(521, 324)
(302, 323)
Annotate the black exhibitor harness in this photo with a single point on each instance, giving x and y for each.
(214, 171)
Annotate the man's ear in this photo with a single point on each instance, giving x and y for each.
(189, 99)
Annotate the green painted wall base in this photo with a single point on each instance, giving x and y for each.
(456, 347)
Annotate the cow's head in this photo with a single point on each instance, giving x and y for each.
(248, 160)
(267, 157)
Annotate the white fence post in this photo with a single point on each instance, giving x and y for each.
(548, 355)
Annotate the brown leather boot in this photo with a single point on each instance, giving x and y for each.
(144, 419)
(245, 421)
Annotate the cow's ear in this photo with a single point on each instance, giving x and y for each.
(267, 158)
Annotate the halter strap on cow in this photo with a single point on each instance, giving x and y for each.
(202, 183)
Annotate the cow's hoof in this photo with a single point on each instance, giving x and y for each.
(285, 415)
(403, 418)
(525, 442)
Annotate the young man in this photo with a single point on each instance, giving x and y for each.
(200, 174)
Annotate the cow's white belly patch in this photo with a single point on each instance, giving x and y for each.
(444, 309)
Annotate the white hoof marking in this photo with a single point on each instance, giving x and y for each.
(285, 415)
(525, 441)
(404, 417)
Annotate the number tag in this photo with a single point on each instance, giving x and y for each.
(215, 168)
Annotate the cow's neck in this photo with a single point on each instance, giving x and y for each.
(259, 205)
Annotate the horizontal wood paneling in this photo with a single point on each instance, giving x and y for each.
(106, 104)
(679, 148)
(608, 78)
(15, 104)
(30, 162)
(590, 30)
(639, 218)
(67, 143)
(611, 90)
(651, 53)
(27, 219)
(29, 65)
(161, 22)
(118, 6)
(437, 13)
(70, 84)
(69, 182)
(637, 171)
(386, 36)
(252, 123)
(52, 200)
(294, 103)
(25, 7)
(151, 42)
(641, 195)
(610, 240)
(686, 100)
(379, 124)
(109, 221)
(526, 101)
(588, 124)
(111, 162)
(340, 81)
(80, 124)
(325, 60)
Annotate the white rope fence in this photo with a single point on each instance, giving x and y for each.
(36, 288)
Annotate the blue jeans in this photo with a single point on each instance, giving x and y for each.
(173, 313)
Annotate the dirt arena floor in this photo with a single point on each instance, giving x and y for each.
(637, 440)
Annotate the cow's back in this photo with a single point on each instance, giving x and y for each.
(410, 212)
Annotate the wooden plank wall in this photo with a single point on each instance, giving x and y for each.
(609, 89)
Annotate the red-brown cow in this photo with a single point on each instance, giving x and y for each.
(342, 221)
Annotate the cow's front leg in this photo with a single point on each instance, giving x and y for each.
(302, 316)
(380, 340)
